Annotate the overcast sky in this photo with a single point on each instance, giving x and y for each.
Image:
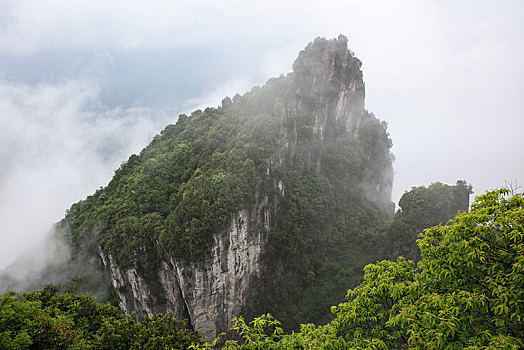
(83, 84)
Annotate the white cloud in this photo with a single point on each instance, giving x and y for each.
(33, 26)
(213, 98)
(162, 24)
(57, 145)
(450, 93)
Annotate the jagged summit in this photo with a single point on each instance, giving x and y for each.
(329, 58)
(329, 77)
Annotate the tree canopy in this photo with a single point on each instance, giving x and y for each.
(420, 208)
(50, 319)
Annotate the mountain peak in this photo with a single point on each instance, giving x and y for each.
(324, 52)
(330, 83)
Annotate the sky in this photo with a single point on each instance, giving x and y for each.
(84, 84)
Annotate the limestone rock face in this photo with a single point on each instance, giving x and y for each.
(208, 293)
(215, 290)
(331, 89)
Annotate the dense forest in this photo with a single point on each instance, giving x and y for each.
(53, 318)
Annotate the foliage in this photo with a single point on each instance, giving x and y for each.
(421, 208)
(322, 243)
(473, 274)
(178, 191)
(465, 293)
(265, 332)
(48, 319)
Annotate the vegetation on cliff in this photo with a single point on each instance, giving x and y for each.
(466, 292)
(420, 208)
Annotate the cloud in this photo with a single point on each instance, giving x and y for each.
(39, 265)
(213, 98)
(32, 26)
(58, 143)
(449, 88)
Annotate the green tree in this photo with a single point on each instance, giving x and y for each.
(49, 319)
(467, 290)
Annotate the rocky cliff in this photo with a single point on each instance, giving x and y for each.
(209, 292)
(270, 203)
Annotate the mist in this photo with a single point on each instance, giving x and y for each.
(57, 145)
(83, 85)
(43, 262)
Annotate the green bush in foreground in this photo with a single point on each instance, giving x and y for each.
(47, 319)
(465, 293)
